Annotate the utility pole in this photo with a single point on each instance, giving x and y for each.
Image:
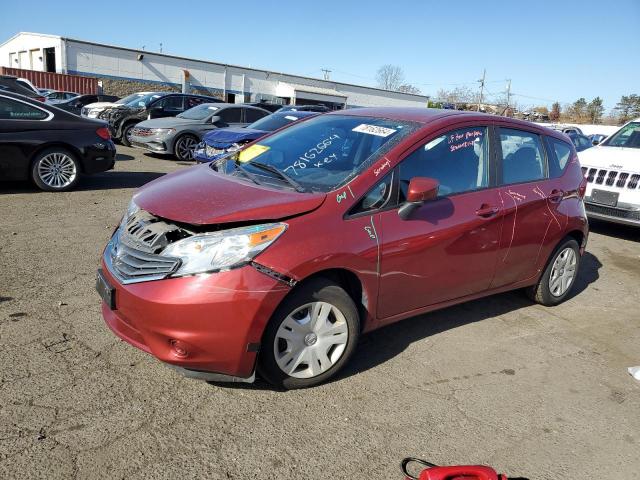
(508, 96)
(160, 47)
(484, 73)
(326, 73)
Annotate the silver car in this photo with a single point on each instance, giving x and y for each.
(181, 134)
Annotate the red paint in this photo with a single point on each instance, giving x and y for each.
(450, 250)
(422, 189)
(461, 472)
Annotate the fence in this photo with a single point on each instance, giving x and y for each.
(55, 81)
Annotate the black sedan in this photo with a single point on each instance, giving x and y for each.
(51, 147)
(74, 105)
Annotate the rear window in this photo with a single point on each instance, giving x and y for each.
(14, 110)
(558, 161)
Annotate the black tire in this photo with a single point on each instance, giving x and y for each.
(126, 130)
(542, 292)
(48, 157)
(180, 144)
(315, 290)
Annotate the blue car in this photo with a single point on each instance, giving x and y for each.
(218, 143)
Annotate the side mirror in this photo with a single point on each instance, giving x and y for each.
(421, 189)
(595, 142)
(215, 119)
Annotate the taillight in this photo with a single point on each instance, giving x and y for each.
(103, 132)
(40, 99)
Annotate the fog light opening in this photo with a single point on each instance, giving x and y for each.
(178, 348)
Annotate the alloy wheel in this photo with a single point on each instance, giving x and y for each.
(57, 170)
(563, 272)
(310, 340)
(185, 148)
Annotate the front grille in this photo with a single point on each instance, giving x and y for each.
(613, 212)
(131, 264)
(611, 178)
(141, 132)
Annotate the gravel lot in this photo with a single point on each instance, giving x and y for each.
(536, 392)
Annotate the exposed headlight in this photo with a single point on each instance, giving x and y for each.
(234, 147)
(132, 209)
(215, 251)
(162, 132)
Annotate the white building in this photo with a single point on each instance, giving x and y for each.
(130, 69)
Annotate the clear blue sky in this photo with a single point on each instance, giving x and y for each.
(551, 50)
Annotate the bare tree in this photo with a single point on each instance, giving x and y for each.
(390, 77)
(457, 95)
(408, 88)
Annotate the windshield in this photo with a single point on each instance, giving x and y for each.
(274, 122)
(129, 98)
(199, 113)
(324, 152)
(141, 100)
(628, 136)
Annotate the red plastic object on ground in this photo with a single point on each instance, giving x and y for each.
(457, 472)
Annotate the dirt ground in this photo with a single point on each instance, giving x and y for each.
(541, 393)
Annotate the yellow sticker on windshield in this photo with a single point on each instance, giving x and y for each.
(252, 152)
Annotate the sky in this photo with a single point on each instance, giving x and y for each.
(551, 50)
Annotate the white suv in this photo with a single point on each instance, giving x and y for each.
(613, 175)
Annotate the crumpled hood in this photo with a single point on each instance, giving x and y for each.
(621, 158)
(200, 196)
(100, 105)
(223, 137)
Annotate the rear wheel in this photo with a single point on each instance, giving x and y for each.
(311, 336)
(559, 276)
(184, 147)
(55, 170)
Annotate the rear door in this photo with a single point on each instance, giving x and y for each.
(447, 248)
(525, 192)
(20, 129)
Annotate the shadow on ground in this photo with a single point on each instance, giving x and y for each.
(384, 344)
(100, 181)
(623, 232)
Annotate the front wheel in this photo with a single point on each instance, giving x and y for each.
(559, 276)
(126, 134)
(310, 337)
(184, 147)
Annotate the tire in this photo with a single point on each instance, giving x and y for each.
(183, 147)
(126, 131)
(330, 341)
(559, 276)
(55, 170)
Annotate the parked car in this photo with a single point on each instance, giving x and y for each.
(597, 138)
(278, 258)
(304, 108)
(179, 135)
(51, 147)
(271, 107)
(581, 142)
(612, 170)
(9, 83)
(218, 143)
(76, 104)
(59, 96)
(93, 110)
(123, 117)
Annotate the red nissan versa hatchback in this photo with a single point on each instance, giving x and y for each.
(279, 256)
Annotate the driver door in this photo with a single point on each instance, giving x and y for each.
(448, 247)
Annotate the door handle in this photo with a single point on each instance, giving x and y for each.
(487, 211)
(555, 196)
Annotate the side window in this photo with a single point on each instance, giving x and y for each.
(459, 160)
(171, 103)
(522, 157)
(194, 102)
(378, 197)
(231, 115)
(251, 115)
(557, 162)
(12, 110)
